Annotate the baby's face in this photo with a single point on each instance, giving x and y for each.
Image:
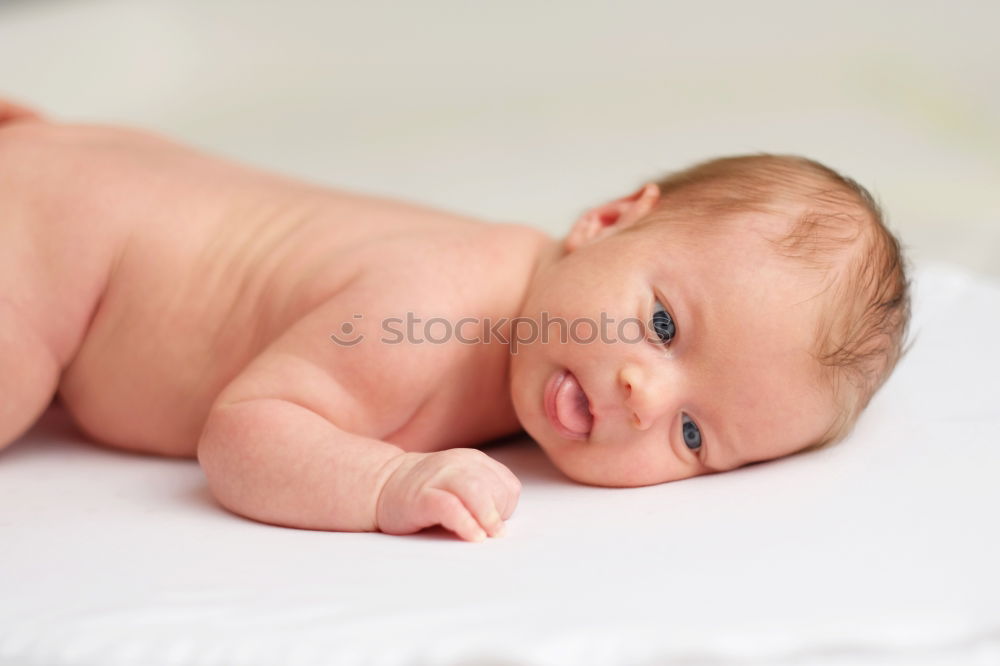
(719, 376)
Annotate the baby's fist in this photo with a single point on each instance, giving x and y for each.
(464, 490)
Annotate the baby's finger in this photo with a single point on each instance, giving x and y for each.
(452, 514)
(507, 476)
(480, 495)
(513, 490)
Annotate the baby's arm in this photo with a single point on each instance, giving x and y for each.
(272, 452)
(278, 462)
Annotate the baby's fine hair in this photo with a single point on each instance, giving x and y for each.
(839, 232)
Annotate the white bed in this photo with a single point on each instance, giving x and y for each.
(882, 550)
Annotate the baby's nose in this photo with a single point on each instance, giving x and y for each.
(641, 406)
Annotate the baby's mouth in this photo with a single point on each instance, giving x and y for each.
(567, 406)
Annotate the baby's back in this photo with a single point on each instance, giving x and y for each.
(187, 267)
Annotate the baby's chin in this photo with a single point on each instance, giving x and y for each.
(590, 475)
(560, 453)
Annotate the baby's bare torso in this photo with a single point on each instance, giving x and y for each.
(158, 273)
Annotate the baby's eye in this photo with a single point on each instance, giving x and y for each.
(692, 436)
(663, 324)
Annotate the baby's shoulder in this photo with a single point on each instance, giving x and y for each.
(370, 354)
(398, 342)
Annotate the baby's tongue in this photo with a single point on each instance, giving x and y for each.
(572, 406)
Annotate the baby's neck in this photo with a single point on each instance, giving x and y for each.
(522, 252)
(537, 251)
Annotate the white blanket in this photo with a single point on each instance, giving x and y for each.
(880, 550)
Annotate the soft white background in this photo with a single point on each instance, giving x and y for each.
(881, 551)
(532, 111)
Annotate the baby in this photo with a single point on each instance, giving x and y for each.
(330, 358)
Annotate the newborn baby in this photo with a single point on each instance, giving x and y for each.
(331, 357)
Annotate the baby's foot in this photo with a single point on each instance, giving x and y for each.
(11, 112)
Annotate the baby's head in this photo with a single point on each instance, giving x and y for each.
(740, 310)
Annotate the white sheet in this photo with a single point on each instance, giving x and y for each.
(881, 550)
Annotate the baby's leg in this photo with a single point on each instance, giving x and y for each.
(29, 373)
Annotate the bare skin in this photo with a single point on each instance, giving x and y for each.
(182, 305)
(155, 275)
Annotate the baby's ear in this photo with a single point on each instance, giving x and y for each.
(612, 217)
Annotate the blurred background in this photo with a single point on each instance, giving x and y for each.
(532, 111)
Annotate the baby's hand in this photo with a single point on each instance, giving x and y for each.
(464, 490)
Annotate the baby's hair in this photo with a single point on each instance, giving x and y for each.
(838, 231)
